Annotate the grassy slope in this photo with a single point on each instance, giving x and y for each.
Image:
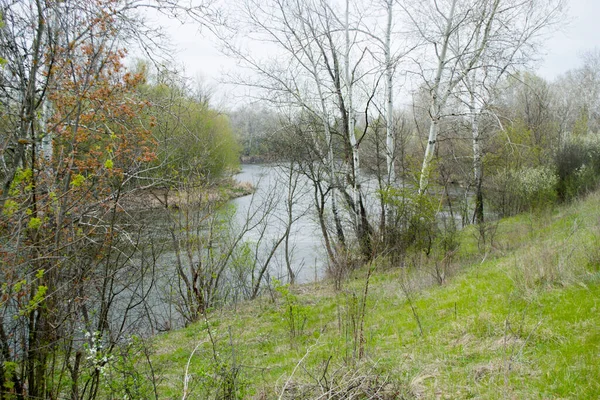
(521, 322)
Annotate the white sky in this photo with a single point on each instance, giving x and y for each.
(200, 56)
(563, 49)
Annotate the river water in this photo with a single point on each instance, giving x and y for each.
(307, 256)
(266, 210)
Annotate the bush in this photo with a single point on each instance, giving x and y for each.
(411, 220)
(578, 166)
(575, 171)
(537, 187)
(528, 189)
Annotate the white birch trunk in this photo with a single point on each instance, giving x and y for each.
(350, 110)
(477, 162)
(46, 147)
(390, 134)
(439, 99)
(475, 111)
(46, 144)
(330, 158)
(436, 103)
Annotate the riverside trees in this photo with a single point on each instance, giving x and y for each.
(333, 67)
(77, 139)
(80, 132)
(319, 73)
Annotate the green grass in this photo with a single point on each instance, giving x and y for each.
(520, 319)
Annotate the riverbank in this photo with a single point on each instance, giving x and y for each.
(220, 192)
(515, 317)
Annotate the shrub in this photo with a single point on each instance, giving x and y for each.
(346, 260)
(293, 311)
(537, 187)
(411, 220)
(528, 189)
(578, 166)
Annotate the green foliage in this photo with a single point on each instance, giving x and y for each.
(292, 311)
(243, 260)
(352, 310)
(581, 126)
(412, 219)
(223, 380)
(578, 166)
(36, 301)
(77, 180)
(22, 182)
(514, 148)
(10, 207)
(125, 378)
(211, 369)
(527, 176)
(527, 189)
(9, 369)
(194, 141)
(34, 223)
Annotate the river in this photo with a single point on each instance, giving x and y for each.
(307, 256)
(266, 210)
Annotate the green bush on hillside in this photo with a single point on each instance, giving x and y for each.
(527, 189)
(411, 219)
(577, 164)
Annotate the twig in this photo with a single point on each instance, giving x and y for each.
(296, 368)
(406, 290)
(186, 376)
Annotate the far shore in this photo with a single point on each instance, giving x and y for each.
(155, 198)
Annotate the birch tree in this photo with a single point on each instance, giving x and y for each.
(389, 95)
(443, 25)
(317, 64)
(513, 42)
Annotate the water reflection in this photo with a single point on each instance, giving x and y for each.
(306, 255)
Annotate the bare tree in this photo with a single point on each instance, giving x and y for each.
(513, 42)
(469, 40)
(577, 94)
(443, 25)
(321, 52)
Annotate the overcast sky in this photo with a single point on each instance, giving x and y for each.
(200, 56)
(582, 34)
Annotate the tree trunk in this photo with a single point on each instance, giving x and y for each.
(390, 135)
(477, 165)
(436, 105)
(355, 165)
